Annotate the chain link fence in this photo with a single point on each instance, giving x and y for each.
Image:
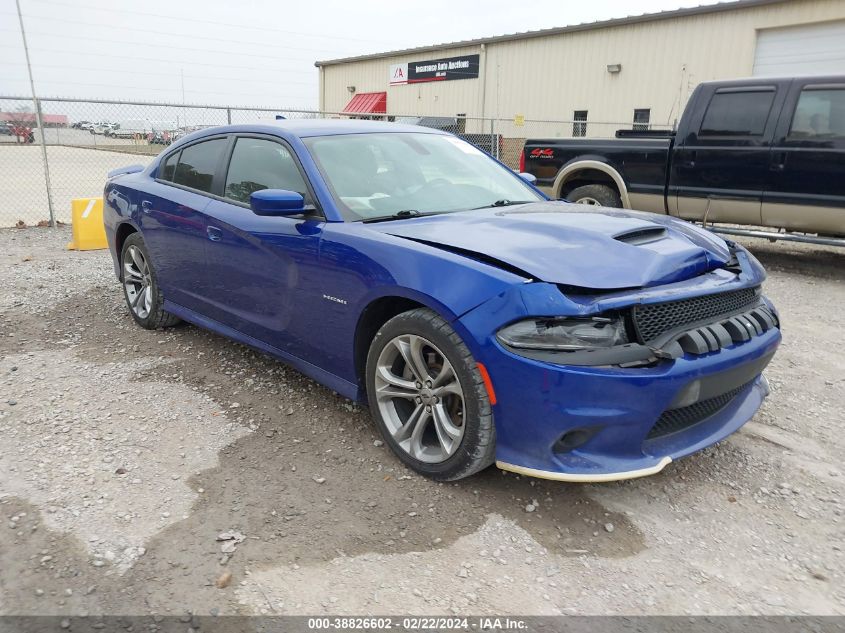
(83, 140)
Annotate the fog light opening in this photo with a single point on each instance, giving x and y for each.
(573, 439)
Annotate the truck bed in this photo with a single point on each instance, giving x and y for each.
(639, 160)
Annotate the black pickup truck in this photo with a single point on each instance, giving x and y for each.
(765, 152)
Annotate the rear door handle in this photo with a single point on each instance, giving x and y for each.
(214, 234)
(689, 163)
(778, 161)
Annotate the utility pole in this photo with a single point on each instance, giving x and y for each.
(38, 118)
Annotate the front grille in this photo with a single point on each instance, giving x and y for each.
(652, 320)
(674, 420)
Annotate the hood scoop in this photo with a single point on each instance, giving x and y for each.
(638, 237)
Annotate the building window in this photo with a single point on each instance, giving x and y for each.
(642, 116)
(579, 123)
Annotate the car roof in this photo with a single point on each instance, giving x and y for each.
(303, 128)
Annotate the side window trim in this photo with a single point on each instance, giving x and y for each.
(220, 161)
(312, 198)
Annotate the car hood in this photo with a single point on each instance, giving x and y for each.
(574, 245)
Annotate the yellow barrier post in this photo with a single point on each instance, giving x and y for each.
(87, 225)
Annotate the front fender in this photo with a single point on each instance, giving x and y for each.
(360, 266)
(371, 265)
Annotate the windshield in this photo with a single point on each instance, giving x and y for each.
(380, 175)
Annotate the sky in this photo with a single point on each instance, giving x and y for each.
(247, 52)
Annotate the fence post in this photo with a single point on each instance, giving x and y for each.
(43, 135)
(38, 118)
(494, 146)
(229, 116)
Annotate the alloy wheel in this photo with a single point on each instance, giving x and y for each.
(420, 398)
(137, 282)
(588, 200)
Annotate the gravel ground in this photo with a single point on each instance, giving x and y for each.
(175, 471)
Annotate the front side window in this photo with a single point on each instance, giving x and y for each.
(378, 175)
(737, 113)
(258, 164)
(197, 164)
(819, 115)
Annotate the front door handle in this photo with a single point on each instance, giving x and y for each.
(214, 234)
(778, 161)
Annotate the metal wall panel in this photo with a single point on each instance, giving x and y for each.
(550, 77)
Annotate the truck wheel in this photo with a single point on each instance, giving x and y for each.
(597, 195)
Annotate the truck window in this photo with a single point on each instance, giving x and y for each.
(819, 115)
(737, 113)
(579, 123)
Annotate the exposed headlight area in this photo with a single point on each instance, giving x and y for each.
(644, 333)
(565, 334)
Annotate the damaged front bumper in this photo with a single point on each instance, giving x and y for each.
(630, 410)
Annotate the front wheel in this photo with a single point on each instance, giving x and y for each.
(596, 195)
(428, 398)
(140, 286)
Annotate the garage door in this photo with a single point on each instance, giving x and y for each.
(815, 49)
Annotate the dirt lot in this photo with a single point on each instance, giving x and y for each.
(125, 454)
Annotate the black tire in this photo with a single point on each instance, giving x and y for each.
(156, 318)
(476, 450)
(591, 194)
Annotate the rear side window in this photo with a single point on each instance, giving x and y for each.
(819, 115)
(169, 167)
(737, 113)
(258, 164)
(198, 163)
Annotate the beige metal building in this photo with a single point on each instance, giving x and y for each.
(638, 69)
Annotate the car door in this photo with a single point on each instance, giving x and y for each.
(719, 171)
(173, 222)
(264, 267)
(806, 189)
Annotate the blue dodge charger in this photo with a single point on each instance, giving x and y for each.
(403, 267)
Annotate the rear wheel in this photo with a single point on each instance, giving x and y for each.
(428, 397)
(596, 195)
(140, 286)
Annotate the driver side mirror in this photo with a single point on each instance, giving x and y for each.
(276, 202)
(531, 179)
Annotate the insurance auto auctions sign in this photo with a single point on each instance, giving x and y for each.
(463, 67)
